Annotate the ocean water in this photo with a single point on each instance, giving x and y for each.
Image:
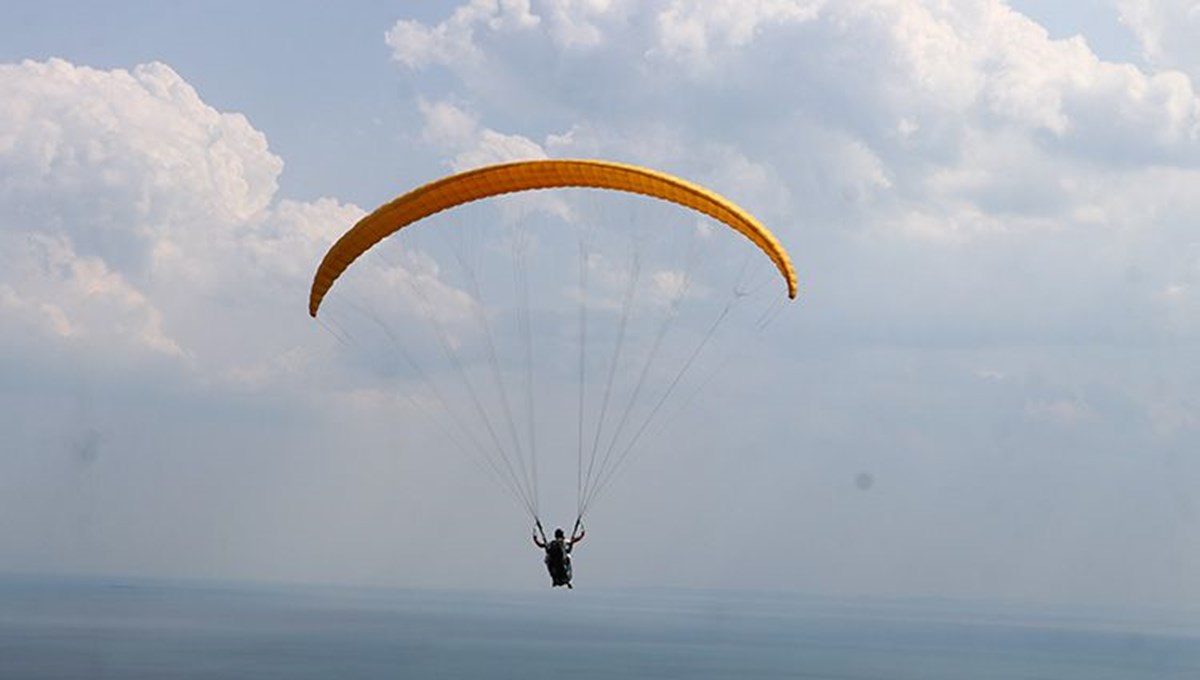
(126, 629)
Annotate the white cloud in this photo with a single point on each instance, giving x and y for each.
(995, 233)
(961, 134)
(132, 214)
(1167, 31)
(65, 135)
(453, 41)
(581, 24)
(457, 132)
(668, 287)
(698, 34)
(83, 299)
(875, 104)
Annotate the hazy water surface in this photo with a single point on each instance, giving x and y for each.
(92, 629)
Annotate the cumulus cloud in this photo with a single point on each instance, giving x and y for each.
(581, 24)
(457, 132)
(66, 136)
(453, 41)
(132, 214)
(931, 120)
(995, 232)
(963, 127)
(62, 295)
(1166, 30)
(702, 34)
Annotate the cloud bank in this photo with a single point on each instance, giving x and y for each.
(999, 313)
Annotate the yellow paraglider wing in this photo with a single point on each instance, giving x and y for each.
(504, 178)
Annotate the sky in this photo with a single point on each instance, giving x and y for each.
(988, 388)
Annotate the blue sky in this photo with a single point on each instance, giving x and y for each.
(991, 207)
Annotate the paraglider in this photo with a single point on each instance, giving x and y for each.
(558, 552)
(509, 452)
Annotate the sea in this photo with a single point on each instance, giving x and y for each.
(60, 628)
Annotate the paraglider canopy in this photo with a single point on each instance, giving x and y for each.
(504, 178)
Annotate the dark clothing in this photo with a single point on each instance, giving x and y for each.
(558, 562)
(558, 557)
